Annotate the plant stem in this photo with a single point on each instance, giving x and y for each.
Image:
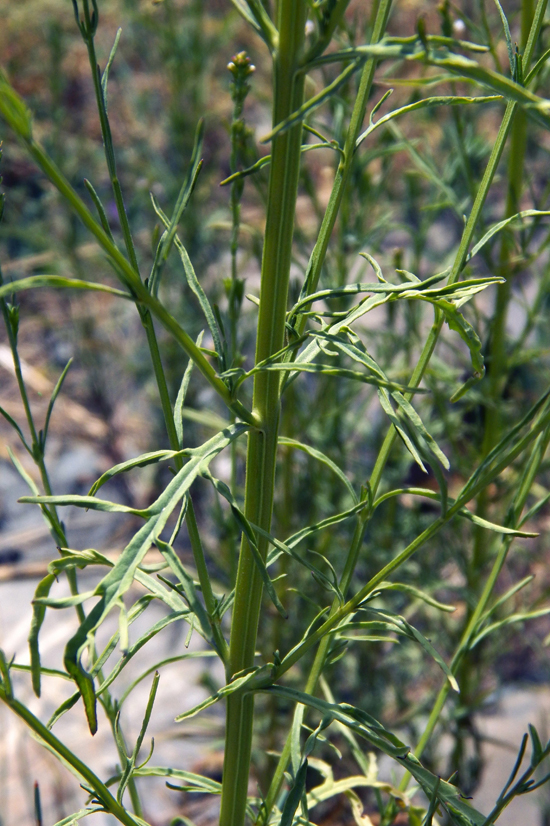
(314, 674)
(345, 165)
(101, 791)
(472, 488)
(129, 277)
(50, 512)
(262, 444)
(465, 241)
(530, 473)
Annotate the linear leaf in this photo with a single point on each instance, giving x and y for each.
(34, 281)
(508, 38)
(294, 796)
(182, 392)
(255, 14)
(138, 645)
(321, 457)
(195, 286)
(165, 244)
(248, 531)
(368, 728)
(38, 615)
(55, 393)
(139, 461)
(16, 427)
(105, 75)
(188, 588)
(313, 102)
(397, 423)
(340, 372)
(526, 213)
(195, 781)
(160, 664)
(121, 576)
(511, 620)
(102, 215)
(426, 103)
(253, 679)
(74, 818)
(420, 427)
(402, 626)
(417, 593)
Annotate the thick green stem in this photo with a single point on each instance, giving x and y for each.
(262, 445)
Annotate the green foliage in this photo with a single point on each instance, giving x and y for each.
(310, 385)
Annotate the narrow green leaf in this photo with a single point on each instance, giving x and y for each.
(174, 616)
(426, 103)
(323, 458)
(121, 576)
(65, 706)
(23, 474)
(403, 627)
(492, 526)
(105, 76)
(508, 38)
(368, 728)
(16, 427)
(102, 215)
(139, 461)
(248, 531)
(458, 323)
(13, 109)
(88, 502)
(313, 102)
(195, 286)
(511, 620)
(130, 767)
(506, 596)
(55, 393)
(182, 392)
(169, 235)
(526, 213)
(74, 818)
(339, 372)
(160, 664)
(417, 593)
(390, 412)
(420, 427)
(34, 281)
(294, 796)
(192, 780)
(188, 588)
(253, 679)
(255, 14)
(38, 615)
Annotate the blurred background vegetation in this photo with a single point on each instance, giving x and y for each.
(411, 187)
